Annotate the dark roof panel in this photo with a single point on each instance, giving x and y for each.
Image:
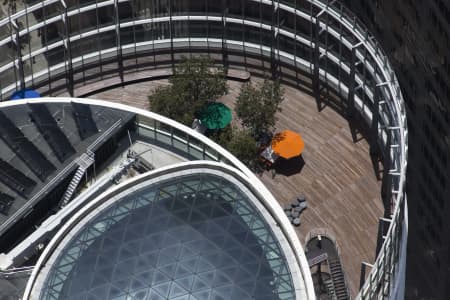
(85, 123)
(52, 133)
(15, 179)
(25, 149)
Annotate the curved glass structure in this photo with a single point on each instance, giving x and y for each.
(58, 46)
(192, 234)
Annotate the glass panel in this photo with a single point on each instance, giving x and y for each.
(27, 67)
(234, 31)
(253, 11)
(286, 44)
(8, 77)
(36, 40)
(179, 139)
(214, 7)
(234, 9)
(215, 30)
(50, 11)
(83, 46)
(210, 154)
(107, 40)
(53, 32)
(145, 9)
(193, 237)
(55, 56)
(105, 16)
(181, 29)
(195, 148)
(126, 35)
(198, 29)
(125, 11)
(5, 31)
(9, 53)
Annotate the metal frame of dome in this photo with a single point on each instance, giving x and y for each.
(89, 227)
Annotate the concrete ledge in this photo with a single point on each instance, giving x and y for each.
(239, 75)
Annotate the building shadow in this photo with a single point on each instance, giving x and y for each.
(288, 167)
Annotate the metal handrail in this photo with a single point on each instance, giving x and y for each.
(15, 271)
(99, 139)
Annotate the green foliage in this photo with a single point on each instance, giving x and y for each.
(223, 136)
(198, 80)
(243, 145)
(257, 106)
(166, 102)
(195, 82)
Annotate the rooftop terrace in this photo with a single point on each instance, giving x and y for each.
(338, 178)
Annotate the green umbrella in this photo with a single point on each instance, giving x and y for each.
(215, 116)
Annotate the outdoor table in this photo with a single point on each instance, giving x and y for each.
(269, 155)
(298, 208)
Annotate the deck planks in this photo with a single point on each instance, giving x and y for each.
(338, 179)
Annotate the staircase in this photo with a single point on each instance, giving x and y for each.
(337, 275)
(318, 259)
(84, 162)
(330, 289)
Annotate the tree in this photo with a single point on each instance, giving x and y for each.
(223, 136)
(195, 82)
(198, 80)
(243, 146)
(257, 106)
(166, 102)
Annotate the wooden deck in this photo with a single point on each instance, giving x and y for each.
(338, 179)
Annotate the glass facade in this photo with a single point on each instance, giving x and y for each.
(193, 236)
(416, 35)
(316, 45)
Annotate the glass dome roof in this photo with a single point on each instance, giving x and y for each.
(194, 236)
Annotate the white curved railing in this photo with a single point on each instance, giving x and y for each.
(356, 68)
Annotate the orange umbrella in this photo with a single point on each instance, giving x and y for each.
(288, 144)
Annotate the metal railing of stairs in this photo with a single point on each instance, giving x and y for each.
(337, 275)
(16, 271)
(86, 160)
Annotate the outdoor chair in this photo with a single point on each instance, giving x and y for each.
(295, 214)
(301, 198)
